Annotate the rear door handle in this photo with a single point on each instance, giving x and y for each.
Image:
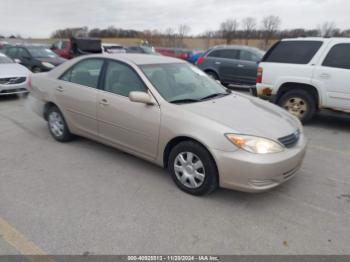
(240, 66)
(325, 76)
(59, 89)
(104, 102)
(218, 63)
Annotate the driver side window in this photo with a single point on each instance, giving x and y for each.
(248, 56)
(121, 79)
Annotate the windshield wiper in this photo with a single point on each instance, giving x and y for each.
(184, 101)
(214, 96)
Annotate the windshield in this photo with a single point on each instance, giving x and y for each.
(41, 52)
(182, 82)
(5, 60)
(148, 49)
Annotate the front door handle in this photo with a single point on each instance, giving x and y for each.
(59, 89)
(240, 66)
(104, 102)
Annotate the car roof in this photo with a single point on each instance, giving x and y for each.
(242, 47)
(140, 59)
(323, 39)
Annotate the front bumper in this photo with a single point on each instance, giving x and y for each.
(36, 105)
(264, 92)
(244, 171)
(14, 89)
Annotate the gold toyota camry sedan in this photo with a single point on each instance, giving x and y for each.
(169, 112)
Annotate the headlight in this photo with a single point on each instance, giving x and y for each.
(256, 145)
(47, 64)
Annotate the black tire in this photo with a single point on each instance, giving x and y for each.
(65, 135)
(213, 75)
(36, 69)
(308, 99)
(210, 181)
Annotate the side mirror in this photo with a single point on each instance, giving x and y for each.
(18, 61)
(141, 97)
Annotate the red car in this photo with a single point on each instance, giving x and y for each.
(62, 48)
(180, 53)
(77, 46)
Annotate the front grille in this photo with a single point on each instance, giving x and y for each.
(12, 91)
(12, 80)
(290, 140)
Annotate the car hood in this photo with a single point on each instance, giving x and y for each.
(52, 60)
(13, 70)
(247, 115)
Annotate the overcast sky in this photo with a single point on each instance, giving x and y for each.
(39, 18)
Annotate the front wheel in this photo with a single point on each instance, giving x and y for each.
(36, 69)
(213, 75)
(193, 168)
(299, 103)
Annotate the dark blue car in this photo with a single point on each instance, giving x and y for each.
(232, 65)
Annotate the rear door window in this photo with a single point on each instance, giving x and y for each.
(292, 52)
(230, 53)
(338, 57)
(86, 73)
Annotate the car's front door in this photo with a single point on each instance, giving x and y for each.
(334, 76)
(76, 95)
(228, 65)
(129, 125)
(247, 67)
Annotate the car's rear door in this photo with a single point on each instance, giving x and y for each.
(76, 95)
(334, 76)
(128, 125)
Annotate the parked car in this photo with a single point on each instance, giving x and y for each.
(3, 46)
(141, 49)
(77, 46)
(62, 48)
(235, 65)
(180, 53)
(195, 56)
(305, 75)
(35, 57)
(13, 77)
(172, 114)
(112, 48)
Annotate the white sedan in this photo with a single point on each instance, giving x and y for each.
(13, 77)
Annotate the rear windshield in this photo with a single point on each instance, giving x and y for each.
(292, 52)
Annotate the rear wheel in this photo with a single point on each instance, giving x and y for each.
(299, 103)
(58, 126)
(193, 168)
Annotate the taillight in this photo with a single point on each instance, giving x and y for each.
(200, 60)
(259, 75)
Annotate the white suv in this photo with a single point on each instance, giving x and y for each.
(304, 75)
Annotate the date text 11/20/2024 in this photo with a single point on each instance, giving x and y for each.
(173, 258)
